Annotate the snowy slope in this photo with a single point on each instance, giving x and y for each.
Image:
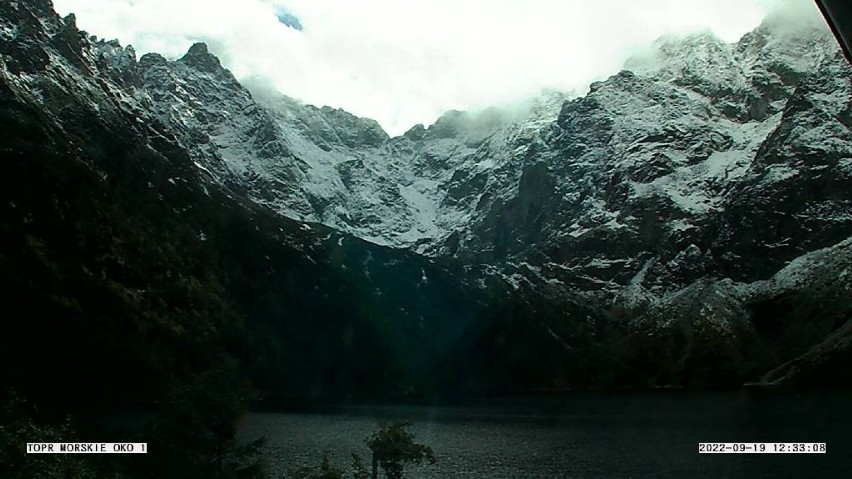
(658, 169)
(677, 200)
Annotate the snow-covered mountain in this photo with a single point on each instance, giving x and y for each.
(661, 219)
(655, 156)
(327, 166)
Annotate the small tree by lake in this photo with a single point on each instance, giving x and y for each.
(393, 447)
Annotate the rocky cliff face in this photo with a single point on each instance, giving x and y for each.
(655, 230)
(134, 235)
(673, 188)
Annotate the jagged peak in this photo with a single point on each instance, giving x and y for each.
(336, 111)
(448, 125)
(701, 52)
(366, 130)
(121, 60)
(114, 43)
(198, 49)
(150, 59)
(677, 45)
(416, 132)
(702, 36)
(199, 57)
(340, 114)
(68, 29)
(780, 26)
(70, 20)
(116, 46)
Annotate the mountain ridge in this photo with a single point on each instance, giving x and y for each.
(628, 236)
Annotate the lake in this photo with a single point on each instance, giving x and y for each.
(636, 435)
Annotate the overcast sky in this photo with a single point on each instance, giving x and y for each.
(404, 62)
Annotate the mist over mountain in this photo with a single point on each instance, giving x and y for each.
(687, 222)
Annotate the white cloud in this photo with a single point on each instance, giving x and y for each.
(405, 62)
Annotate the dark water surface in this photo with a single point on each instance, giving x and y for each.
(641, 435)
